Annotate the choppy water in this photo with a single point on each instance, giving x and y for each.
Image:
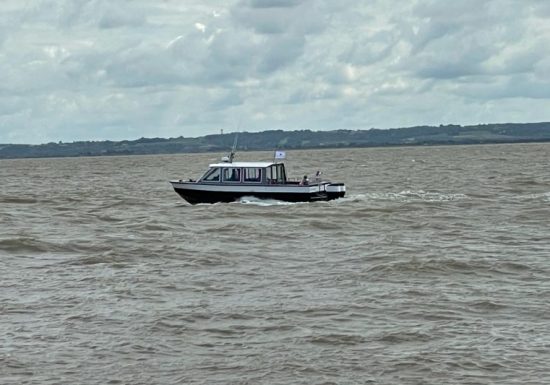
(434, 270)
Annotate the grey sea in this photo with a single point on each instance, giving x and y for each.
(434, 269)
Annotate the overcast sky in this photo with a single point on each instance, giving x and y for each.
(104, 69)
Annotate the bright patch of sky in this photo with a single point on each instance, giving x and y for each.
(101, 69)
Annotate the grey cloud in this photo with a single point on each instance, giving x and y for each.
(522, 57)
(193, 58)
(274, 3)
(366, 50)
(231, 57)
(524, 86)
(429, 32)
(225, 98)
(280, 52)
(542, 69)
(10, 104)
(314, 93)
(451, 61)
(304, 17)
(118, 17)
(264, 21)
(466, 38)
(539, 8)
(100, 13)
(224, 55)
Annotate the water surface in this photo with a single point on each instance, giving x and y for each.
(434, 269)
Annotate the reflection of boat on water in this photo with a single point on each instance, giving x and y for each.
(229, 181)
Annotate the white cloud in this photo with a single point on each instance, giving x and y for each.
(98, 69)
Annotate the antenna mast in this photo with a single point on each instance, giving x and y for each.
(234, 149)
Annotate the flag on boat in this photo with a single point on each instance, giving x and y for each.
(280, 155)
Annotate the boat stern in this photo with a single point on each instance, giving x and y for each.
(335, 190)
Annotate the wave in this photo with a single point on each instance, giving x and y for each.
(525, 181)
(323, 224)
(396, 337)
(449, 265)
(17, 200)
(336, 339)
(28, 244)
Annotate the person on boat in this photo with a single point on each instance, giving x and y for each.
(304, 181)
(318, 176)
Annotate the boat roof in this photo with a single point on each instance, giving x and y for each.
(243, 164)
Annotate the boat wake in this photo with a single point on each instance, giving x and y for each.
(252, 200)
(544, 197)
(405, 196)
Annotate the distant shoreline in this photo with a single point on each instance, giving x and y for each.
(507, 133)
(389, 146)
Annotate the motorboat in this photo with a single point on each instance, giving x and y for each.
(230, 181)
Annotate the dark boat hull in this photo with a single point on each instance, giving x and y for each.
(194, 194)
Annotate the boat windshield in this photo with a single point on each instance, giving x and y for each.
(212, 175)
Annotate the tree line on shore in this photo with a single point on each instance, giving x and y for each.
(298, 139)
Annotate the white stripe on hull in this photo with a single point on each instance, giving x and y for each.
(249, 188)
(336, 188)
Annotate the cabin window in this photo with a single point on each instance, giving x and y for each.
(276, 174)
(231, 174)
(252, 175)
(281, 175)
(212, 176)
